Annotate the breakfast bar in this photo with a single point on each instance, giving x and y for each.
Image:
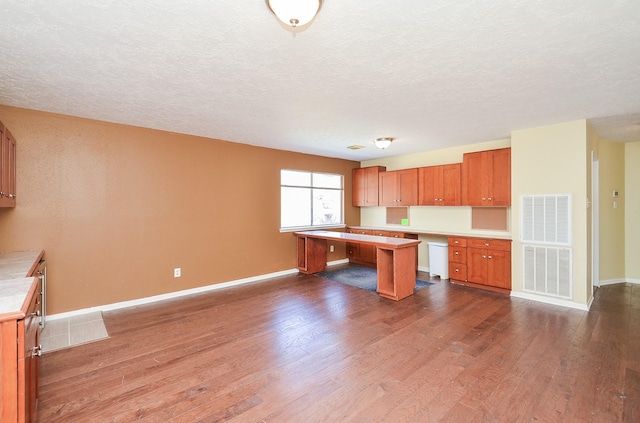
(396, 258)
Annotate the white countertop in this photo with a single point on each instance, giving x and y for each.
(15, 286)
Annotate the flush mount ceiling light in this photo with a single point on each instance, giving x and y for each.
(383, 143)
(294, 12)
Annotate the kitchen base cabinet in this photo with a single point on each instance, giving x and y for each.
(458, 258)
(19, 344)
(481, 262)
(366, 255)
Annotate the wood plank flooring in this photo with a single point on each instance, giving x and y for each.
(304, 349)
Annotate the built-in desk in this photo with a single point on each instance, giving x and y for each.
(396, 258)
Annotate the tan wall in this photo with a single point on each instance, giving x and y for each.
(612, 233)
(116, 208)
(632, 211)
(551, 160)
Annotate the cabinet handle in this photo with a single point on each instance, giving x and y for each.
(12, 196)
(457, 270)
(455, 242)
(489, 198)
(490, 257)
(37, 350)
(484, 257)
(456, 253)
(1, 194)
(486, 244)
(484, 199)
(435, 199)
(36, 313)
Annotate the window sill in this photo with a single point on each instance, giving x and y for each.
(312, 228)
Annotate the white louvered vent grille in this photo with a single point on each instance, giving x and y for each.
(547, 270)
(546, 238)
(545, 219)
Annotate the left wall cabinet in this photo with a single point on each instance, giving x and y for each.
(7, 168)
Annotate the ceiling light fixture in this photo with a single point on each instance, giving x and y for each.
(295, 12)
(383, 143)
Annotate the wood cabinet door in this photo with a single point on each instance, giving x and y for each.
(477, 265)
(387, 189)
(358, 187)
(499, 268)
(365, 186)
(475, 179)
(427, 195)
(500, 163)
(450, 184)
(407, 189)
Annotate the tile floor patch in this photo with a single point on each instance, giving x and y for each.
(75, 330)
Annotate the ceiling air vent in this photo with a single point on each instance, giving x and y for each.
(355, 147)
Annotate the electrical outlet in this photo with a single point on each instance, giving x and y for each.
(331, 248)
(177, 272)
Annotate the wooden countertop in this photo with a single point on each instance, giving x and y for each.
(16, 288)
(379, 241)
(408, 230)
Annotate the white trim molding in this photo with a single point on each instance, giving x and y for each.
(613, 281)
(552, 300)
(178, 294)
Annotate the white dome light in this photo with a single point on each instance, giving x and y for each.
(295, 12)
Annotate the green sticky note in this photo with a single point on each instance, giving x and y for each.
(404, 222)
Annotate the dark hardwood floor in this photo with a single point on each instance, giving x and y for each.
(304, 349)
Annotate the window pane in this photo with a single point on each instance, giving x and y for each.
(327, 206)
(295, 207)
(292, 177)
(325, 180)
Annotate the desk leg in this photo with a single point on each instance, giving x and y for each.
(312, 255)
(396, 272)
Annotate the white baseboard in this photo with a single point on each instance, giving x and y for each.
(423, 269)
(177, 294)
(551, 300)
(612, 281)
(633, 281)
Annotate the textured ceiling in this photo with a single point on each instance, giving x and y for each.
(433, 73)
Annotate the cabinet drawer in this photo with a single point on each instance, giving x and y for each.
(457, 255)
(458, 271)
(489, 244)
(457, 241)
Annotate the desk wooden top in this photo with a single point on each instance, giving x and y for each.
(379, 241)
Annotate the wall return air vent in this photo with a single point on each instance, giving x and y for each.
(546, 242)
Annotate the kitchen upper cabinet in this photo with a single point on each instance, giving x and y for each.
(365, 186)
(439, 185)
(7, 168)
(398, 188)
(486, 178)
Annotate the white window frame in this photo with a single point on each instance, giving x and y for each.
(341, 224)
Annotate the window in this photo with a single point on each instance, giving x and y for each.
(310, 199)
